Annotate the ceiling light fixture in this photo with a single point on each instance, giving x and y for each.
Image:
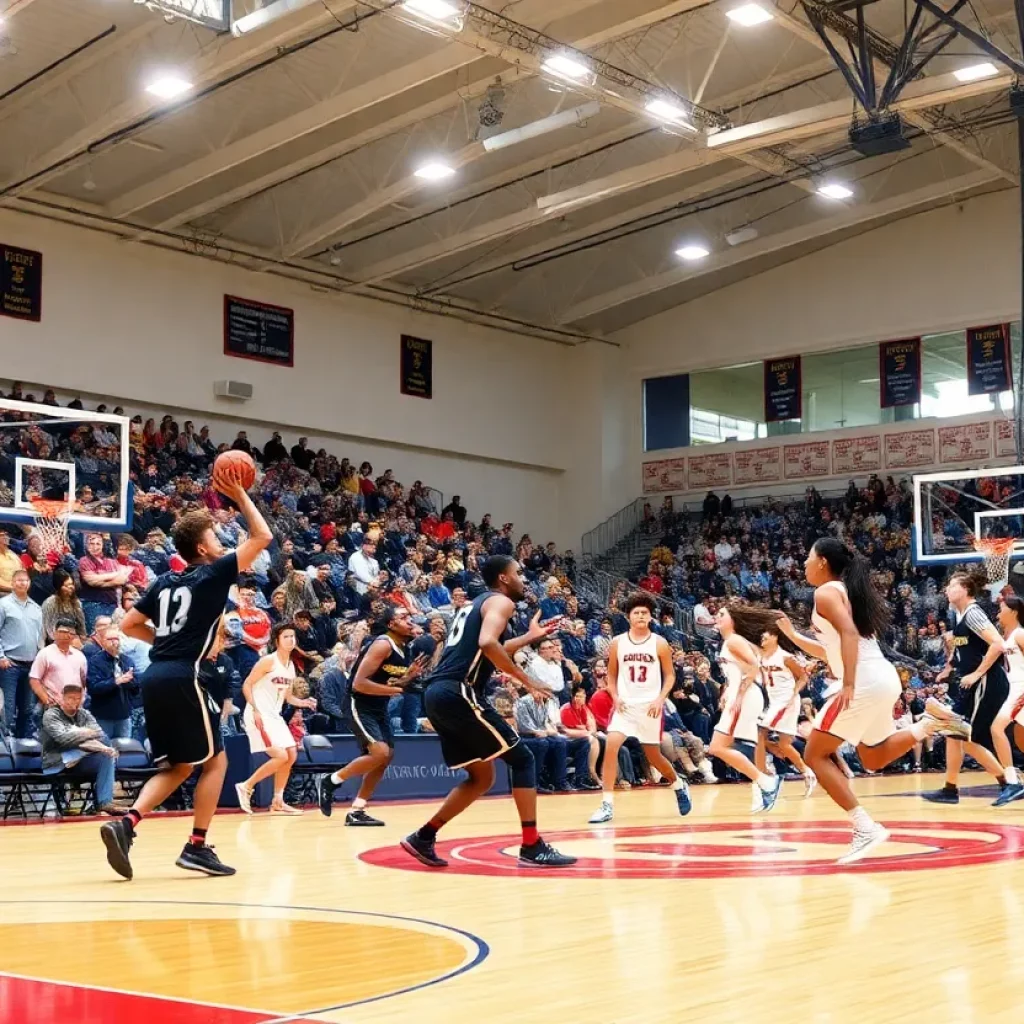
(666, 110)
(975, 72)
(835, 190)
(561, 65)
(749, 15)
(434, 170)
(692, 253)
(444, 14)
(168, 86)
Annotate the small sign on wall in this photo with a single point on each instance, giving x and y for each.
(21, 283)
(257, 330)
(417, 367)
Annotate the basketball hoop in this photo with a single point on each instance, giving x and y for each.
(51, 519)
(996, 552)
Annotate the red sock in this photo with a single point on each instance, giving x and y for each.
(530, 833)
(198, 837)
(132, 819)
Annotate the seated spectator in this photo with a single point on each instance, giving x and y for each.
(307, 643)
(365, 568)
(575, 645)
(58, 665)
(438, 594)
(538, 723)
(102, 577)
(63, 604)
(545, 666)
(334, 688)
(553, 604)
(72, 743)
(247, 629)
(113, 686)
(578, 723)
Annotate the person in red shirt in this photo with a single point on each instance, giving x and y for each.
(126, 545)
(248, 630)
(446, 528)
(601, 707)
(578, 722)
(652, 582)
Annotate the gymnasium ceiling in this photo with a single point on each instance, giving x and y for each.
(296, 147)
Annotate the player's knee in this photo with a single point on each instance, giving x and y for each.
(523, 767)
(381, 753)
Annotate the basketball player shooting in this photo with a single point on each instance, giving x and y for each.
(179, 615)
(472, 733)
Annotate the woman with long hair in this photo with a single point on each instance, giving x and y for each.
(270, 685)
(1011, 619)
(63, 604)
(742, 702)
(849, 614)
(977, 656)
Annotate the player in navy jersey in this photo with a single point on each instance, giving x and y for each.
(179, 616)
(472, 733)
(381, 672)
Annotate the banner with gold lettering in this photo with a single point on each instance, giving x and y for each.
(783, 391)
(899, 372)
(988, 359)
(21, 283)
(417, 374)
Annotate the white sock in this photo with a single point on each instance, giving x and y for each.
(608, 798)
(1010, 775)
(920, 731)
(766, 782)
(337, 779)
(679, 784)
(808, 774)
(358, 804)
(862, 821)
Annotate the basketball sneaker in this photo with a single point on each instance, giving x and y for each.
(810, 783)
(244, 797)
(202, 858)
(361, 818)
(1008, 794)
(946, 795)
(769, 796)
(603, 814)
(118, 839)
(707, 773)
(540, 855)
(864, 842)
(683, 801)
(325, 789)
(423, 850)
(756, 800)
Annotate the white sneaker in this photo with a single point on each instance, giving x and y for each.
(707, 772)
(244, 797)
(810, 783)
(864, 842)
(756, 800)
(602, 814)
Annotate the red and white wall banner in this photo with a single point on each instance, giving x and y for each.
(806, 461)
(1006, 446)
(856, 455)
(910, 449)
(758, 466)
(666, 476)
(705, 472)
(965, 442)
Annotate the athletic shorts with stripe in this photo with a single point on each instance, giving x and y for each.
(370, 725)
(868, 719)
(980, 704)
(182, 722)
(469, 729)
(782, 717)
(740, 718)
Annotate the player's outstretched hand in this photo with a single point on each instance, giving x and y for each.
(542, 630)
(416, 669)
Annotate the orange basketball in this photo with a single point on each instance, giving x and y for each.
(234, 464)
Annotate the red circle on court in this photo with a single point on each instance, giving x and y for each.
(727, 849)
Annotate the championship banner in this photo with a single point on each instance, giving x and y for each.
(783, 392)
(1006, 443)
(758, 466)
(899, 372)
(705, 472)
(910, 448)
(988, 359)
(856, 455)
(417, 367)
(258, 330)
(21, 283)
(665, 476)
(806, 460)
(967, 442)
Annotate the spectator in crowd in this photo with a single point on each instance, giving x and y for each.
(63, 603)
(334, 688)
(457, 511)
(127, 545)
(247, 629)
(102, 578)
(21, 638)
(114, 688)
(72, 743)
(439, 596)
(365, 568)
(578, 723)
(546, 667)
(9, 561)
(58, 665)
(274, 450)
(539, 724)
(92, 643)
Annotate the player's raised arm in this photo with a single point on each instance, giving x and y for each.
(259, 533)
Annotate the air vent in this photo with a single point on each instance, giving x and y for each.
(236, 389)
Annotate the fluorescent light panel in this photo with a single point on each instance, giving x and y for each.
(564, 66)
(435, 10)
(835, 190)
(749, 15)
(975, 72)
(265, 15)
(666, 110)
(434, 170)
(693, 252)
(168, 86)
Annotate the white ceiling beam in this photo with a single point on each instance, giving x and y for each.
(849, 217)
(223, 59)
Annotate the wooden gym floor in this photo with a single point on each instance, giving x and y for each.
(718, 917)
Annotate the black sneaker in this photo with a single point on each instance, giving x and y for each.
(540, 855)
(942, 796)
(202, 858)
(361, 818)
(544, 791)
(423, 850)
(325, 794)
(118, 839)
(588, 784)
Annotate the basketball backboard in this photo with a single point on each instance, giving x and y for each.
(68, 455)
(953, 509)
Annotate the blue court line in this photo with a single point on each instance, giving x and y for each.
(482, 949)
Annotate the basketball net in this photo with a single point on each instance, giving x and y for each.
(996, 554)
(51, 518)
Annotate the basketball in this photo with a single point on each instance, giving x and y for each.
(237, 464)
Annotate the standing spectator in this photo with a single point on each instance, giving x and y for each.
(457, 509)
(274, 450)
(101, 577)
(365, 567)
(21, 637)
(72, 738)
(302, 456)
(153, 554)
(10, 563)
(113, 686)
(58, 665)
(127, 545)
(63, 604)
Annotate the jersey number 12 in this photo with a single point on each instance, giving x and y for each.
(181, 598)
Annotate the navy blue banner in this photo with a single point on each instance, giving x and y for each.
(667, 412)
(21, 283)
(783, 391)
(417, 371)
(899, 372)
(988, 359)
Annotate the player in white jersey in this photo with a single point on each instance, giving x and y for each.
(742, 705)
(1011, 611)
(784, 679)
(848, 615)
(640, 677)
